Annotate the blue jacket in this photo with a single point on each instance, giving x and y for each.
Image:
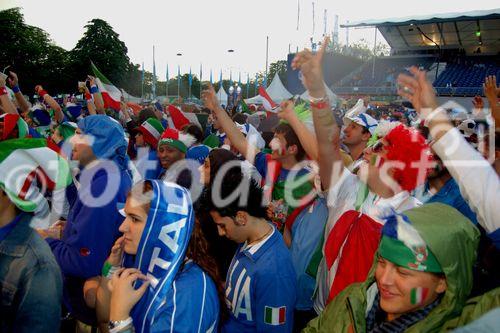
(261, 288)
(192, 304)
(30, 281)
(89, 235)
(450, 195)
(91, 231)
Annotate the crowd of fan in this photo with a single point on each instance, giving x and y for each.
(338, 221)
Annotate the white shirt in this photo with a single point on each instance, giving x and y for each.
(479, 183)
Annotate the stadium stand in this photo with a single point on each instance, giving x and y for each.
(458, 50)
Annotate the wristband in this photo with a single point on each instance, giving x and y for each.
(42, 93)
(94, 89)
(3, 91)
(433, 114)
(16, 89)
(118, 326)
(105, 268)
(319, 103)
(108, 270)
(88, 96)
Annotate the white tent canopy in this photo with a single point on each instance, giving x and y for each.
(277, 90)
(222, 96)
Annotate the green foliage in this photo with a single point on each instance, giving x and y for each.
(30, 53)
(101, 45)
(280, 68)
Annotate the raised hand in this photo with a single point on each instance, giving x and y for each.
(91, 80)
(123, 294)
(115, 257)
(478, 102)
(38, 88)
(418, 90)
(490, 88)
(13, 80)
(286, 111)
(209, 98)
(311, 68)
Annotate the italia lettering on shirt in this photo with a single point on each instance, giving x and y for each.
(170, 242)
(238, 297)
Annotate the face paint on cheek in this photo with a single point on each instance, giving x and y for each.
(418, 295)
(275, 145)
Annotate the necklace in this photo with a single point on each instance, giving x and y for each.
(262, 237)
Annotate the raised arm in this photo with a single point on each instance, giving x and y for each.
(98, 101)
(306, 137)
(479, 183)
(492, 91)
(58, 114)
(14, 85)
(7, 105)
(327, 130)
(234, 135)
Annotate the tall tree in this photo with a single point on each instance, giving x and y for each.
(102, 45)
(30, 52)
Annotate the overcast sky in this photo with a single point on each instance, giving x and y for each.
(203, 30)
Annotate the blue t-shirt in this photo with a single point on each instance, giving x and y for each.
(261, 288)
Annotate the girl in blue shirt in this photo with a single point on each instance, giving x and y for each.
(167, 279)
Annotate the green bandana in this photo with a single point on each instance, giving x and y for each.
(419, 259)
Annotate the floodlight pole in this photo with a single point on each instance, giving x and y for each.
(267, 53)
(374, 53)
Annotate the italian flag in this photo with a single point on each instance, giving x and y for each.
(110, 94)
(418, 295)
(275, 316)
(180, 119)
(267, 101)
(27, 162)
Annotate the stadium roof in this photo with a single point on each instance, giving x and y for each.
(465, 30)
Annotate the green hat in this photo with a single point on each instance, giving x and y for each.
(176, 139)
(67, 129)
(212, 141)
(402, 245)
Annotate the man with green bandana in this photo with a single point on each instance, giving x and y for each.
(30, 279)
(421, 277)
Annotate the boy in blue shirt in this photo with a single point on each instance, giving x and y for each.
(261, 281)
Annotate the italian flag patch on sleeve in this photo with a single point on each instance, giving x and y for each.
(275, 316)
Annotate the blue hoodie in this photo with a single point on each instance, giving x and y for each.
(181, 297)
(93, 221)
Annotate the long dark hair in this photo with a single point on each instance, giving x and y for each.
(198, 252)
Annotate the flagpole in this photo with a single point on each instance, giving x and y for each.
(178, 82)
(267, 54)
(142, 83)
